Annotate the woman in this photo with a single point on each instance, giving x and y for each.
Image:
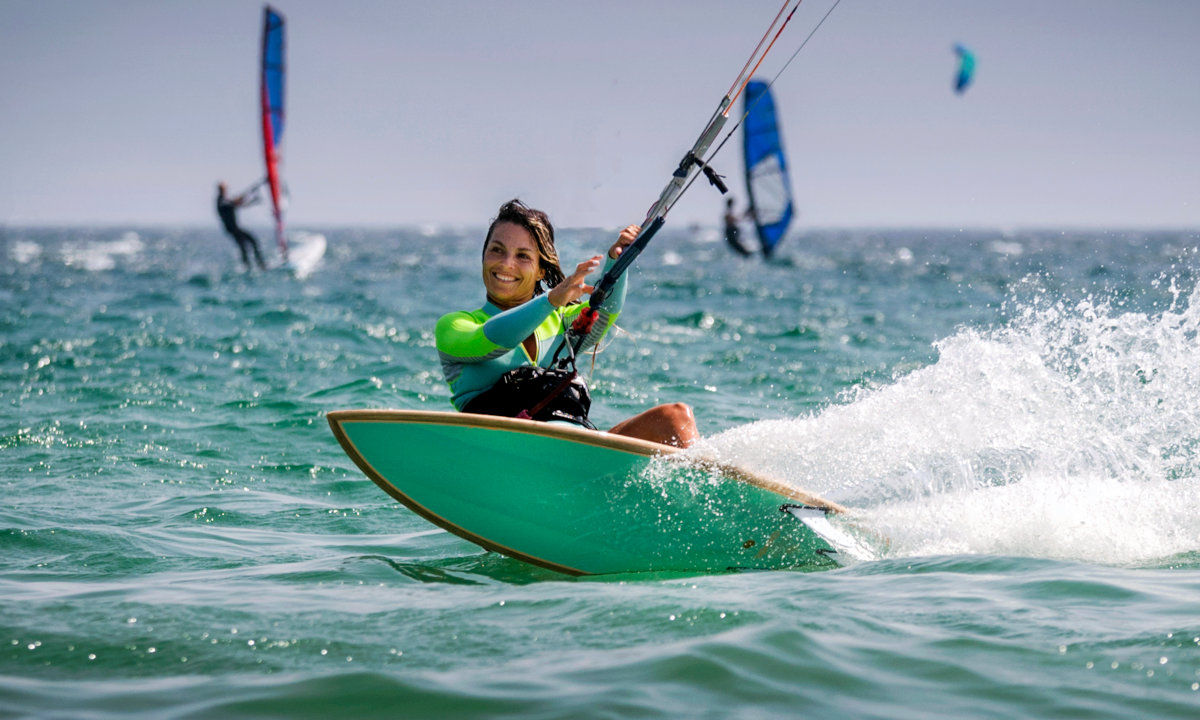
(530, 302)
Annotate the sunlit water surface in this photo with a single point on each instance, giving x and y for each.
(1015, 417)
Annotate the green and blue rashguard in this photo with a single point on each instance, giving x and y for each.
(479, 346)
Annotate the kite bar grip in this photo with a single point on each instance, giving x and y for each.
(584, 322)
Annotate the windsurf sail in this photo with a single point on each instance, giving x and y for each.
(271, 87)
(767, 180)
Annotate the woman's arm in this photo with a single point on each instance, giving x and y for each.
(616, 297)
(509, 328)
(512, 326)
(472, 337)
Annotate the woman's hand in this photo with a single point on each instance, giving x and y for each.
(574, 285)
(627, 236)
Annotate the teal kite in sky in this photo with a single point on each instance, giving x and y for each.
(966, 68)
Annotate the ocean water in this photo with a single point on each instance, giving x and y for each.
(1014, 417)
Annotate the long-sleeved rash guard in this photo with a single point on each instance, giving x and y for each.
(479, 346)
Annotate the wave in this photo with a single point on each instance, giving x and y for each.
(1071, 432)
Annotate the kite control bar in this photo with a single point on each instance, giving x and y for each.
(680, 180)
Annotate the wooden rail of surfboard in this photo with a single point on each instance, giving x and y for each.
(579, 435)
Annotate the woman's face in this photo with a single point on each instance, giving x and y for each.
(510, 265)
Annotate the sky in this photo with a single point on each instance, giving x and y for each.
(1083, 113)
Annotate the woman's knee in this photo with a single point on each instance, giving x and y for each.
(682, 423)
(669, 424)
(680, 413)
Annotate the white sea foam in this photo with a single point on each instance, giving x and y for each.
(306, 254)
(101, 255)
(25, 251)
(1072, 432)
(1007, 247)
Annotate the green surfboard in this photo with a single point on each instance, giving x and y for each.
(584, 502)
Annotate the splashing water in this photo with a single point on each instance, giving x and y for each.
(1073, 432)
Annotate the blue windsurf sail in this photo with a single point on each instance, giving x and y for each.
(767, 180)
(271, 85)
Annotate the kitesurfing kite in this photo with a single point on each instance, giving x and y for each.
(767, 180)
(966, 68)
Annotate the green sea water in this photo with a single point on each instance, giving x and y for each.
(1016, 413)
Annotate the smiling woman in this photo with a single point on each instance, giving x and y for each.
(497, 359)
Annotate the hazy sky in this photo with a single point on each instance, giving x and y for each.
(1083, 112)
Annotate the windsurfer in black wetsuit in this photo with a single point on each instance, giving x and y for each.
(732, 231)
(227, 210)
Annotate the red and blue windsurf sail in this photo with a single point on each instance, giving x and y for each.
(767, 180)
(271, 79)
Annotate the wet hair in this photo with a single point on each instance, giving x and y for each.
(537, 224)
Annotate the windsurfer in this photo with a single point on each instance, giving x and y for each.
(732, 231)
(227, 210)
(530, 302)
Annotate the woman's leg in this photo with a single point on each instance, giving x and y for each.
(670, 424)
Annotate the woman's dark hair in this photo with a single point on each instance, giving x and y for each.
(537, 224)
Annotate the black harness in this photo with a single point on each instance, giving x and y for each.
(540, 393)
(537, 393)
